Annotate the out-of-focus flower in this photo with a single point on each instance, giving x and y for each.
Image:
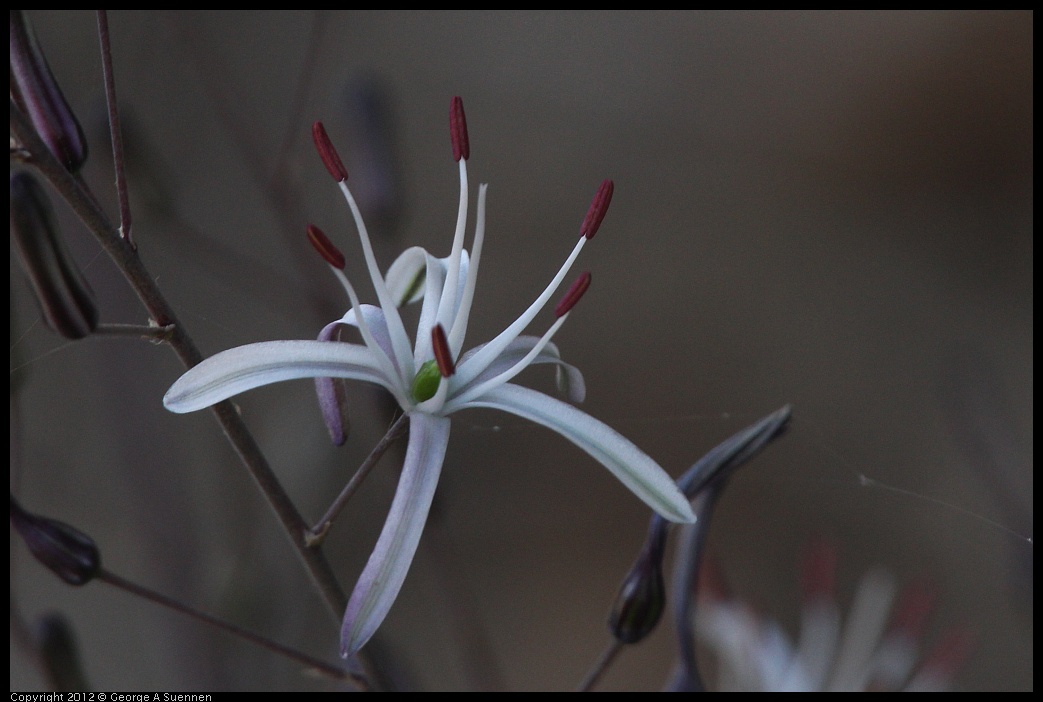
(876, 647)
(429, 378)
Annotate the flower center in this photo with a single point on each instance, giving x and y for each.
(425, 384)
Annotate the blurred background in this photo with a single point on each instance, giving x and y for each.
(830, 210)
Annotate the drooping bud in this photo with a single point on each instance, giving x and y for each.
(597, 210)
(65, 299)
(325, 247)
(641, 599)
(458, 130)
(327, 153)
(67, 552)
(37, 94)
(443, 356)
(573, 295)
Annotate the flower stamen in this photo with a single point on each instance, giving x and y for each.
(333, 256)
(458, 130)
(459, 328)
(328, 153)
(598, 208)
(396, 330)
(567, 303)
(488, 353)
(573, 295)
(326, 248)
(461, 150)
(443, 356)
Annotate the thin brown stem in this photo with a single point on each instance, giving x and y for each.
(595, 673)
(141, 281)
(317, 533)
(115, 133)
(170, 603)
(150, 333)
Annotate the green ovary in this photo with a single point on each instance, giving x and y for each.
(425, 384)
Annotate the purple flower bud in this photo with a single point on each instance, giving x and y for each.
(67, 552)
(65, 299)
(37, 94)
(332, 392)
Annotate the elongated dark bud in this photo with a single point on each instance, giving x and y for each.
(66, 300)
(37, 94)
(641, 599)
(67, 552)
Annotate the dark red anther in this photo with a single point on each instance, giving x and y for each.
(597, 210)
(573, 295)
(325, 247)
(458, 130)
(914, 607)
(443, 356)
(328, 154)
(950, 653)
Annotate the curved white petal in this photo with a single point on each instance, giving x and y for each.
(386, 570)
(375, 320)
(477, 363)
(632, 466)
(247, 367)
(568, 377)
(405, 277)
(865, 625)
(816, 646)
(437, 269)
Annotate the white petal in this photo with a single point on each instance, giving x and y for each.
(477, 363)
(405, 277)
(375, 321)
(817, 645)
(433, 286)
(865, 625)
(247, 367)
(631, 465)
(382, 578)
(569, 378)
